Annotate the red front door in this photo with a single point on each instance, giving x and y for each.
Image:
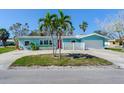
(59, 43)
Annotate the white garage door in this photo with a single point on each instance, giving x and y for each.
(93, 44)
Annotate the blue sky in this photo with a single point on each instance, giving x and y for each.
(9, 17)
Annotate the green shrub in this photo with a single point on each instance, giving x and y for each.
(34, 46)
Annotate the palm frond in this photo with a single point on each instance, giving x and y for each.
(41, 27)
(53, 16)
(69, 22)
(61, 13)
(41, 20)
(67, 17)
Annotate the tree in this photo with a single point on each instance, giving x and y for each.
(4, 35)
(18, 30)
(114, 26)
(64, 24)
(57, 26)
(47, 25)
(35, 33)
(69, 32)
(101, 32)
(83, 26)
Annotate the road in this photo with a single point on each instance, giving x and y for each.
(68, 76)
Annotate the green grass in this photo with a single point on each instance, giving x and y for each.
(6, 49)
(49, 60)
(116, 49)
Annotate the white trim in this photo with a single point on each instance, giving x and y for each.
(94, 34)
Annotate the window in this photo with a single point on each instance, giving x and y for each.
(41, 42)
(50, 42)
(45, 42)
(73, 41)
(113, 42)
(27, 43)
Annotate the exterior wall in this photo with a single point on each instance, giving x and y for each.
(66, 42)
(36, 41)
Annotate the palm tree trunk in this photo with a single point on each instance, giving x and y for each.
(59, 46)
(56, 43)
(53, 44)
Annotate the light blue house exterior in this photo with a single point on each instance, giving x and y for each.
(80, 42)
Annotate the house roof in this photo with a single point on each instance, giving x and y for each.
(45, 37)
(77, 36)
(94, 34)
(112, 40)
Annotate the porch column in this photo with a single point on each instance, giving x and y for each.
(83, 45)
(63, 45)
(73, 46)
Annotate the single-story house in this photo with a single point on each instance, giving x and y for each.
(79, 42)
(113, 43)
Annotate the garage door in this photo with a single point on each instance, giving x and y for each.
(93, 44)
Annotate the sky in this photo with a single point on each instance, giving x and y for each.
(31, 16)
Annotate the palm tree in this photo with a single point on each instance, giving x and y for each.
(64, 24)
(83, 26)
(46, 24)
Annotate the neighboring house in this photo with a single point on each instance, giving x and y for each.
(80, 42)
(10, 42)
(113, 43)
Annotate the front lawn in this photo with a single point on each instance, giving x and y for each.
(116, 49)
(67, 60)
(6, 49)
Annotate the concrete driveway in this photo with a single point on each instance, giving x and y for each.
(6, 59)
(116, 58)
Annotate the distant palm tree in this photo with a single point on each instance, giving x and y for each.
(83, 26)
(46, 24)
